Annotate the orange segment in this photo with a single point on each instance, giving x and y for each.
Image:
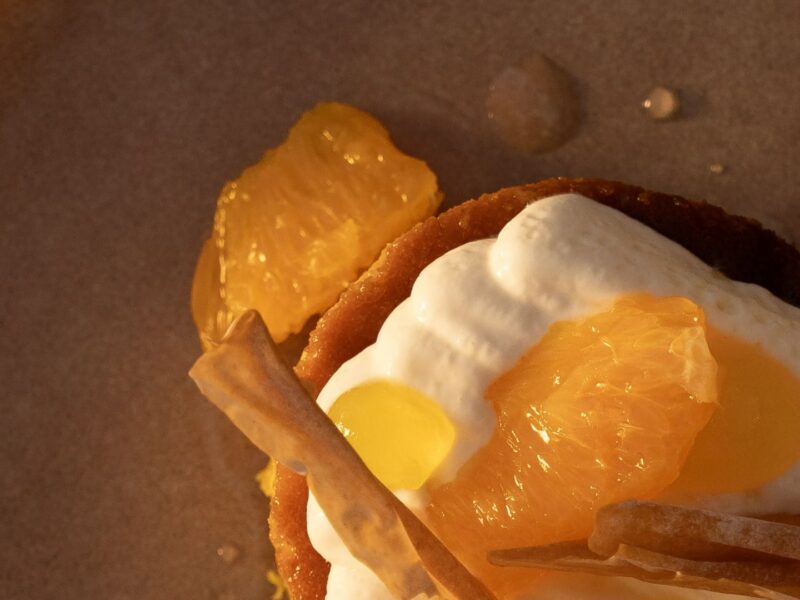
(211, 314)
(601, 409)
(755, 434)
(300, 224)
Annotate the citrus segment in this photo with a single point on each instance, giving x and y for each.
(211, 314)
(295, 228)
(754, 436)
(401, 434)
(600, 410)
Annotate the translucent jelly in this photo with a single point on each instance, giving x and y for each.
(401, 434)
(755, 434)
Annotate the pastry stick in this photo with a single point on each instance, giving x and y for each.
(654, 567)
(246, 379)
(678, 546)
(692, 533)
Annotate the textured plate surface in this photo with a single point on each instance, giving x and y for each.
(119, 123)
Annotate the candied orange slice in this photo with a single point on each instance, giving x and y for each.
(295, 228)
(600, 410)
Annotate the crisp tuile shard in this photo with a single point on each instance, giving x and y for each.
(245, 378)
(678, 546)
(663, 569)
(691, 533)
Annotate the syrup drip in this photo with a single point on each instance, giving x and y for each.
(534, 105)
(661, 103)
(228, 553)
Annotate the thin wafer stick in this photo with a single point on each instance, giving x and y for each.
(691, 533)
(245, 378)
(678, 546)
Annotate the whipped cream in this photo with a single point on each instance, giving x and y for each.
(475, 311)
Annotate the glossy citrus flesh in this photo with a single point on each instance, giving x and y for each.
(601, 409)
(295, 228)
(754, 436)
(401, 434)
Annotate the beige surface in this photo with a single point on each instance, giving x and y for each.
(119, 122)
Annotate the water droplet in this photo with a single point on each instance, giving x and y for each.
(228, 553)
(534, 105)
(716, 168)
(661, 103)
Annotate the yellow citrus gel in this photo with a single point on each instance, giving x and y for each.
(401, 434)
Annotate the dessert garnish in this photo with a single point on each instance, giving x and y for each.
(601, 409)
(401, 434)
(295, 228)
(247, 380)
(679, 546)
